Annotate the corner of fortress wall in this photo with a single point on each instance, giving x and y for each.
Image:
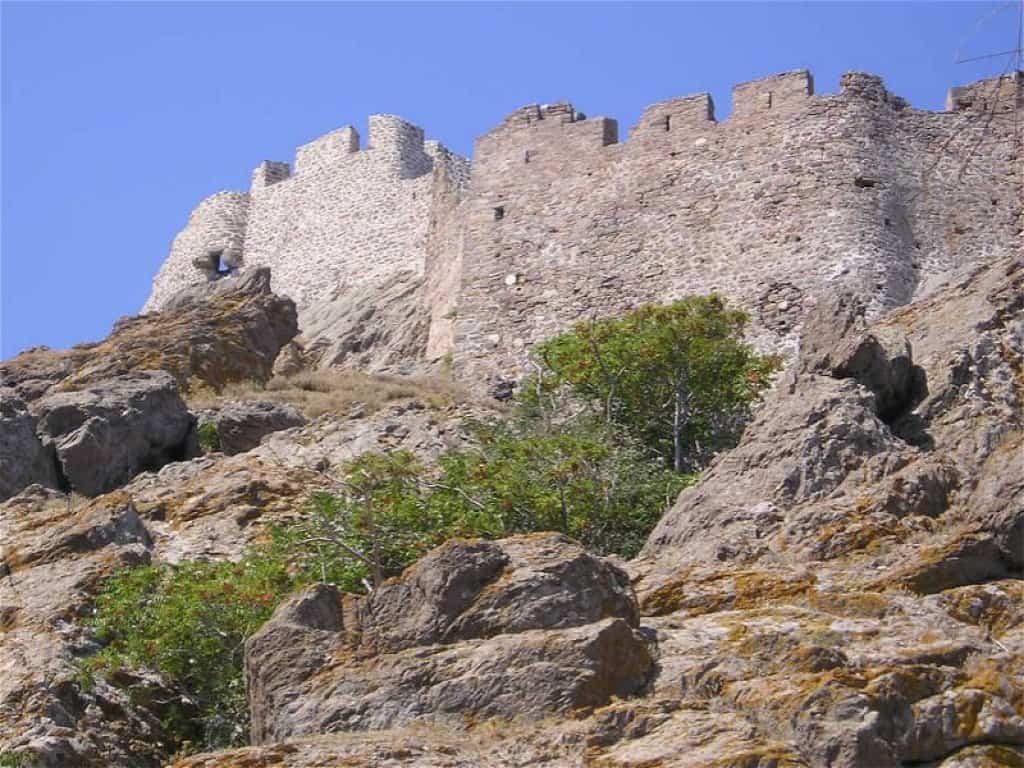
(792, 194)
(340, 215)
(215, 232)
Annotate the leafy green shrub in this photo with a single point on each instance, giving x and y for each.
(679, 377)
(209, 439)
(13, 760)
(189, 622)
(582, 478)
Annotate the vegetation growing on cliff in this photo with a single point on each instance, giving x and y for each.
(679, 377)
(583, 453)
(189, 623)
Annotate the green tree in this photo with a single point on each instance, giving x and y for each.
(680, 377)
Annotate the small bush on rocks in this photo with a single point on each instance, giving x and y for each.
(189, 623)
(209, 439)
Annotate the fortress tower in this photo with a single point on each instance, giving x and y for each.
(343, 216)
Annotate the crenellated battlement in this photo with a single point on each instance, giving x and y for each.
(686, 113)
(533, 130)
(331, 148)
(792, 192)
(785, 91)
(545, 134)
(396, 148)
(999, 95)
(340, 214)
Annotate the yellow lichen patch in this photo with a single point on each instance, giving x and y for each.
(991, 675)
(909, 683)
(964, 556)
(842, 538)
(855, 605)
(741, 590)
(258, 757)
(268, 488)
(760, 757)
(998, 606)
(992, 756)
(786, 694)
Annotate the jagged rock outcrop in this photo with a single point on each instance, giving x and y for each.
(106, 433)
(241, 425)
(24, 459)
(55, 552)
(231, 332)
(823, 454)
(526, 626)
(842, 589)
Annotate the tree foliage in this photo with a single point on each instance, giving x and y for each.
(580, 477)
(189, 622)
(679, 377)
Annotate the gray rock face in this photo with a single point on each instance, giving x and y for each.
(464, 591)
(375, 327)
(801, 448)
(242, 425)
(819, 453)
(24, 459)
(521, 627)
(836, 343)
(54, 552)
(107, 433)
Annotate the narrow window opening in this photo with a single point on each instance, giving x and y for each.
(769, 100)
(526, 156)
(668, 122)
(220, 266)
(499, 213)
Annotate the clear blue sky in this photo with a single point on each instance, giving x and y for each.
(119, 117)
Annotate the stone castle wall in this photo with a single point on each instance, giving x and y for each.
(342, 216)
(559, 221)
(792, 193)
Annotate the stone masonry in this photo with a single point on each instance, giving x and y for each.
(561, 222)
(791, 193)
(344, 216)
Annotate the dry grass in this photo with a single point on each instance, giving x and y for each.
(337, 392)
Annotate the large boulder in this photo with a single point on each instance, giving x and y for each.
(526, 626)
(468, 590)
(24, 459)
(107, 433)
(807, 441)
(241, 425)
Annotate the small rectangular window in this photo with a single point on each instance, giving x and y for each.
(499, 213)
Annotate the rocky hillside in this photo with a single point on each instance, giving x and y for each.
(843, 588)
